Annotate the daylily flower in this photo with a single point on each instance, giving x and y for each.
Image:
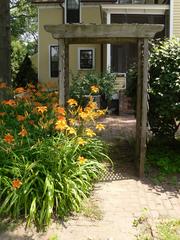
(81, 160)
(23, 132)
(72, 102)
(100, 127)
(8, 138)
(16, 183)
(19, 90)
(42, 109)
(71, 130)
(2, 114)
(94, 89)
(81, 141)
(90, 133)
(61, 125)
(9, 102)
(3, 85)
(60, 110)
(20, 118)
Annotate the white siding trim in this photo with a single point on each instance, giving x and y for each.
(171, 30)
(108, 63)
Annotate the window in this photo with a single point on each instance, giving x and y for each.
(72, 11)
(54, 61)
(86, 58)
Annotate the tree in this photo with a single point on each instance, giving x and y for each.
(4, 43)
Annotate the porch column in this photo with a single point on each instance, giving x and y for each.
(66, 76)
(61, 78)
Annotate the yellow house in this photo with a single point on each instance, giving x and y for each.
(99, 57)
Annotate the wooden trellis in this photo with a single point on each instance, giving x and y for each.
(67, 34)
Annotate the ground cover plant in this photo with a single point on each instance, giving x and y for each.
(49, 156)
(165, 156)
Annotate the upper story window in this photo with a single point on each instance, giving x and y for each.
(72, 11)
(54, 61)
(86, 58)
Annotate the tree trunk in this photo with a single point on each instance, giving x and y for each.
(4, 44)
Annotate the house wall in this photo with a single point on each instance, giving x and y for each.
(54, 15)
(176, 18)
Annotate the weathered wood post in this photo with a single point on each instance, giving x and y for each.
(141, 117)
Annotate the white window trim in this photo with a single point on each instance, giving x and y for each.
(86, 48)
(49, 59)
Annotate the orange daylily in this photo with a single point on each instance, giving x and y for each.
(16, 183)
(72, 102)
(61, 125)
(94, 89)
(42, 109)
(8, 138)
(71, 130)
(3, 85)
(23, 132)
(90, 133)
(19, 90)
(60, 110)
(2, 114)
(20, 118)
(9, 102)
(81, 160)
(81, 141)
(31, 122)
(100, 126)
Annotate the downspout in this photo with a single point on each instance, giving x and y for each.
(171, 30)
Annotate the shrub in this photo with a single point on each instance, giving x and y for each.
(164, 104)
(26, 74)
(164, 156)
(49, 157)
(164, 89)
(81, 85)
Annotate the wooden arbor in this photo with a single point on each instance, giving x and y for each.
(67, 34)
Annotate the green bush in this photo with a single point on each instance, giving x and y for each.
(49, 157)
(81, 85)
(164, 88)
(164, 156)
(164, 104)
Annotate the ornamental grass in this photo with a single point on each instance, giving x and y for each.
(50, 157)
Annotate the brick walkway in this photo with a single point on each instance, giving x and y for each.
(121, 200)
(124, 199)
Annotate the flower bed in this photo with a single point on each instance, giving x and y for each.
(49, 158)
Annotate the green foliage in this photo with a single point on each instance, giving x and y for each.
(81, 85)
(18, 53)
(164, 112)
(26, 74)
(169, 230)
(23, 20)
(164, 89)
(45, 172)
(164, 156)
